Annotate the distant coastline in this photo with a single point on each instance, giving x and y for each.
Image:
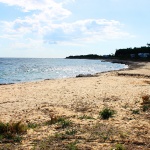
(126, 54)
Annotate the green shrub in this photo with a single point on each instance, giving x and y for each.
(136, 111)
(146, 107)
(106, 113)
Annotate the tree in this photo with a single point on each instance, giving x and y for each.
(148, 44)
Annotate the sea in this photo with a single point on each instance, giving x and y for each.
(15, 70)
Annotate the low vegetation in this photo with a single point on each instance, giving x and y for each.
(11, 132)
(101, 131)
(64, 122)
(146, 103)
(146, 99)
(60, 121)
(146, 107)
(85, 117)
(106, 113)
(59, 141)
(136, 111)
(119, 147)
(72, 146)
(71, 132)
(32, 125)
(81, 131)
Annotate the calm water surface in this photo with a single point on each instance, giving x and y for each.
(13, 70)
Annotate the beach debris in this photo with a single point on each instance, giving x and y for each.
(86, 75)
(134, 75)
(6, 83)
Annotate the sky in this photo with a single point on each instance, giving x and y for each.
(60, 28)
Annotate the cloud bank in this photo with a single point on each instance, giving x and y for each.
(47, 23)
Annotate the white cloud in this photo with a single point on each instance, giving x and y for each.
(46, 9)
(29, 5)
(90, 30)
(48, 24)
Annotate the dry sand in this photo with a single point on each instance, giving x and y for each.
(72, 98)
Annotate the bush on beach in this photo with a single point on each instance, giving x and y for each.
(106, 113)
(12, 131)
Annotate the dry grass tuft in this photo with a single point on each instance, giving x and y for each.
(103, 132)
(146, 99)
(10, 132)
(146, 105)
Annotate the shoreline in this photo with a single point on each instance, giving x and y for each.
(131, 66)
(86, 75)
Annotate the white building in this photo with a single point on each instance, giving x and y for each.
(143, 55)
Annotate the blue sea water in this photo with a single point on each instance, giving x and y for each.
(14, 70)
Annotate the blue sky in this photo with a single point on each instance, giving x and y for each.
(59, 28)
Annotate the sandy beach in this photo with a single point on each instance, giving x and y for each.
(76, 98)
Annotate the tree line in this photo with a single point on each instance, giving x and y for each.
(89, 56)
(126, 53)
